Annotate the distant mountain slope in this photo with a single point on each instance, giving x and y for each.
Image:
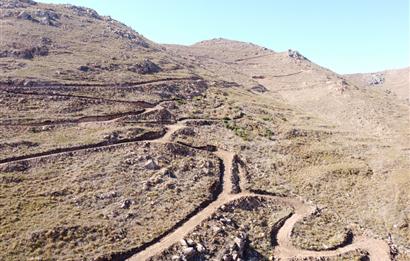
(395, 81)
(292, 78)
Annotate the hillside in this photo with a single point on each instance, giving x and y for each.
(391, 81)
(64, 43)
(114, 147)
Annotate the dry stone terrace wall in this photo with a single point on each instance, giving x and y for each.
(89, 195)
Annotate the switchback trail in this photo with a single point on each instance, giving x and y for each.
(377, 249)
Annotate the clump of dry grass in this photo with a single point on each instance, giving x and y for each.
(322, 230)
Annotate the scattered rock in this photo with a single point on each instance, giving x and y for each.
(168, 173)
(190, 242)
(17, 166)
(240, 242)
(179, 150)
(150, 164)
(187, 131)
(114, 136)
(147, 185)
(84, 68)
(217, 229)
(200, 248)
(126, 204)
(227, 257)
(189, 251)
(176, 258)
(293, 133)
(25, 16)
(108, 195)
(183, 243)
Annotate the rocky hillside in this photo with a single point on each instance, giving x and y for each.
(391, 81)
(65, 43)
(113, 147)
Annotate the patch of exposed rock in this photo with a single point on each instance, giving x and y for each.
(10, 4)
(146, 67)
(376, 79)
(83, 11)
(296, 55)
(45, 17)
(25, 53)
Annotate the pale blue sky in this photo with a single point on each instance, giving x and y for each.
(346, 36)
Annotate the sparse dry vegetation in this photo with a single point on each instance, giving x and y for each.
(108, 142)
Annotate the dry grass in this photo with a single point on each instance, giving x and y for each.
(71, 207)
(311, 133)
(321, 231)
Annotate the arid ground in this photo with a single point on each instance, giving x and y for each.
(114, 147)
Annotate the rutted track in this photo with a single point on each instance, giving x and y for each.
(285, 75)
(84, 119)
(89, 119)
(378, 249)
(125, 84)
(59, 151)
(142, 104)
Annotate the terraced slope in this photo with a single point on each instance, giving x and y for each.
(115, 147)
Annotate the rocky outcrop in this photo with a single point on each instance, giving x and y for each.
(146, 67)
(45, 17)
(296, 55)
(236, 249)
(376, 79)
(83, 11)
(11, 4)
(25, 53)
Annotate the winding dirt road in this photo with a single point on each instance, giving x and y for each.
(377, 249)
